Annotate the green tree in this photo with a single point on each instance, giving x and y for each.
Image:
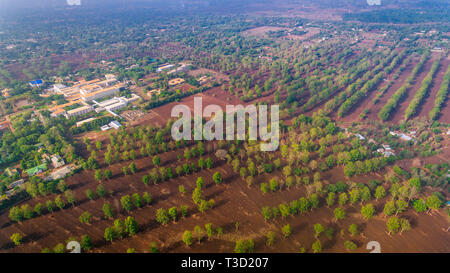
(50, 205)
(217, 178)
(270, 238)
(349, 245)
(62, 186)
(314, 200)
(197, 195)
(27, 212)
(244, 246)
(85, 217)
(86, 243)
(137, 200)
(319, 229)
(15, 214)
(343, 198)
(393, 224)
(380, 192)
(331, 198)
(419, 205)
(367, 211)
(198, 233)
(98, 175)
(273, 185)
(162, 216)
(404, 225)
(38, 209)
(147, 198)
(59, 248)
(401, 206)
(339, 214)
(107, 174)
(200, 182)
(173, 212)
(354, 196)
(267, 213)
(201, 163)
(132, 167)
(126, 203)
(181, 189)
(433, 202)
(107, 211)
(187, 238)
(124, 170)
(145, 179)
(209, 163)
(154, 248)
(59, 202)
(317, 246)
(353, 229)
(109, 234)
(70, 197)
(119, 228)
(156, 160)
(286, 230)
(131, 226)
(389, 208)
(101, 192)
(183, 211)
(264, 188)
(90, 194)
(16, 238)
(209, 230)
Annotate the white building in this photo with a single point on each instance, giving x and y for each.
(115, 124)
(79, 111)
(16, 183)
(79, 123)
(165, 67)
(114, 103)
(57, 161)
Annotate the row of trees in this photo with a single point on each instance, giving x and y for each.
(441, 96)
(163, 216)
(302, 205)
(362, 68)
(369, 85)
(199, 233)
(420, 94)
(120, 229)
(393, 102)
(136, 200)
(25, 211)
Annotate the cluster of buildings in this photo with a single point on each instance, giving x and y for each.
(59, 110)
(114, 103)
(386, 150)
(90, 90)
(86, 91)
(113, 124)
(403, 136)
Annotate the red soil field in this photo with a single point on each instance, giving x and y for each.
(234, 202)
(399, 114)
(367, 103)
(375, 109)
(437, 82)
